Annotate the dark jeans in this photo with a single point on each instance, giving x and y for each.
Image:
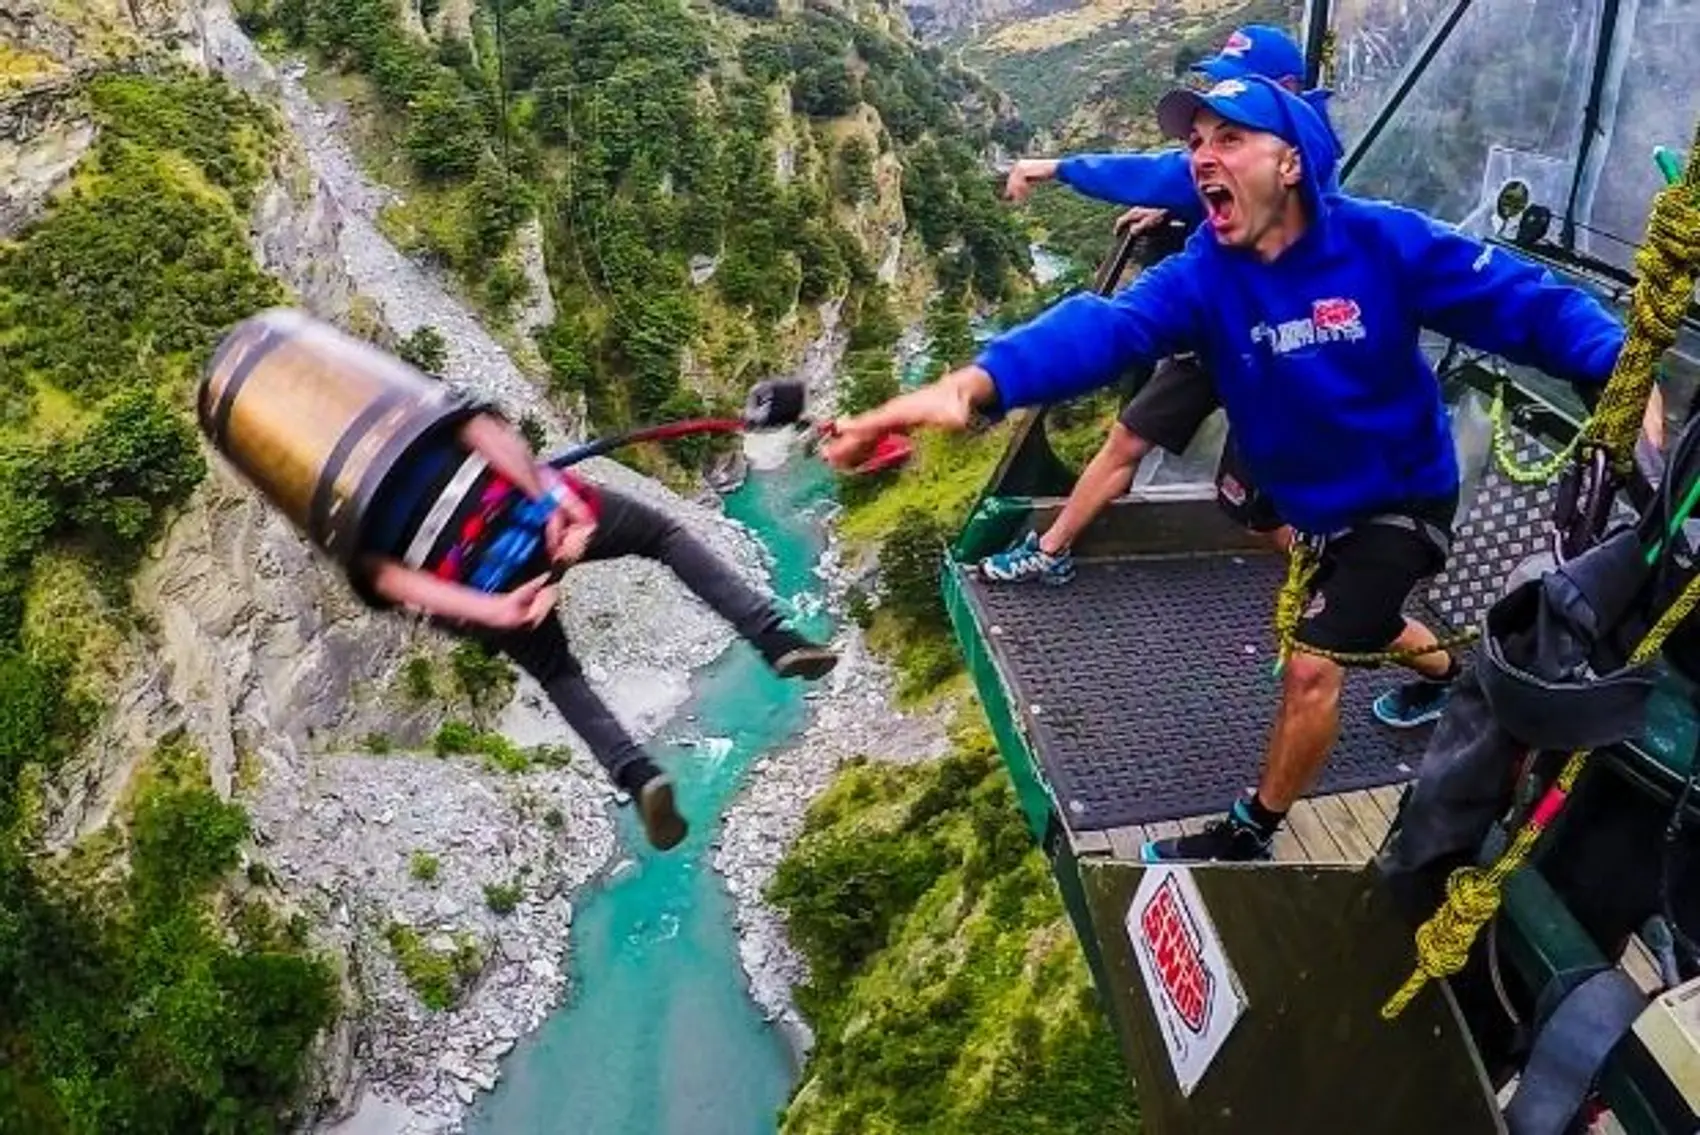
(628, 527)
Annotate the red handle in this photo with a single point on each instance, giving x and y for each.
(891, 451)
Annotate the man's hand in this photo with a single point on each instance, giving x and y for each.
(1653, 419)
(523, 607)
(567, 532)
(1139, 219)
(946, 404)
(566, 540)
(1024, 173)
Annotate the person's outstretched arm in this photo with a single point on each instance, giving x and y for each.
(1156, 181)
(1162, 180)
(1494, 300)
(524, 606)
(1085, 342)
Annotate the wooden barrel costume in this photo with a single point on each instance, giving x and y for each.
(317, 419)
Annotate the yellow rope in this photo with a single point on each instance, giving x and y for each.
(1505, 455)
(1473, 893)
(1667, 265)
(1302, 565)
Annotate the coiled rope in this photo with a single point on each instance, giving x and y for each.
(1473, 893)
(1667, 263)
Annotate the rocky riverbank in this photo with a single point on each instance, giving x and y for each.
(854, 715)
(382, 850)
(279, 671)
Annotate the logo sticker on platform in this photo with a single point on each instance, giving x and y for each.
(1193, 990)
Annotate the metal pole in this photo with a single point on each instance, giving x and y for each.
(1317, 15)
(1414, 71)
(1590, 117)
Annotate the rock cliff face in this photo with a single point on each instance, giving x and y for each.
(43, 135)
(945, 19)
(255, 646)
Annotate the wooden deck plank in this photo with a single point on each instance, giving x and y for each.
(1370, 817)
(1091, 843)
(1163, 829)
(1388, 797)
(1313, 833)
(1126, 842)
(1287, 847)
(1355, 843)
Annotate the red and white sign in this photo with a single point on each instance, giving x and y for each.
(1192, 987)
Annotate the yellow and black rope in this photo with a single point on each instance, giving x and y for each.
(1667, 263)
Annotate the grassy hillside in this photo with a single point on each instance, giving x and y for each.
(1091, 74)
(138, 990)
(947, 991)
(705, 174)
(1087, 78)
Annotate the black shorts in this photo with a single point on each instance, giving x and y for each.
(1243, 501)
(1168, 411)
(1172, 404)
(1359, 592)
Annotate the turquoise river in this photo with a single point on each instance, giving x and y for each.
(657, 1035)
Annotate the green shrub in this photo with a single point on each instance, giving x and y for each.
(501, 898)
(127, 283)
(221, 129)
(417, 682)
(426, 349)
(138, 1014)
(437, 976)
(910, 560)
(455, 737)
(486, 679)
(962, 1004)
(422, 865)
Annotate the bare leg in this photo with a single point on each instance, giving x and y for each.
(1106, 477)
(1436, 663)
(1305, 730)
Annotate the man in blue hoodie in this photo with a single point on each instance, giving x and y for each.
(1306, 308)
(1168, 411)
(1162, 180)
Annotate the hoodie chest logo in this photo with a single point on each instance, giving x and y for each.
(1330, 321)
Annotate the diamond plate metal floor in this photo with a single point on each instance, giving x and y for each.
(1147, 685)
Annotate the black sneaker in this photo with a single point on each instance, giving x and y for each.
(652, 789)
(1412, 704)
(790, 655)
(1235, 838)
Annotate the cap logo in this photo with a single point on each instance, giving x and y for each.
(1227, 89)
(1238, 44)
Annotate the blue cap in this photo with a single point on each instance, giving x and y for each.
(1255, 49)
(1263, 105)
(1253, 102)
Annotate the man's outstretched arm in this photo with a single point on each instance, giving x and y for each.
(1496, 301)
(1162, 180)
(1079, 345)
(524, 606)
(1157, 181)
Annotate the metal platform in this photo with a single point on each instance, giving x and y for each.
(1148, 687)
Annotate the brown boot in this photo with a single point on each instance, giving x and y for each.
(652, 790)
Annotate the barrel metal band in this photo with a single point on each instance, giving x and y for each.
(443, 510)
(324, 493)
(252, 357)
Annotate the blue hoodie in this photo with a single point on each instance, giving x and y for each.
(1163, 180)
(1336, 413)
